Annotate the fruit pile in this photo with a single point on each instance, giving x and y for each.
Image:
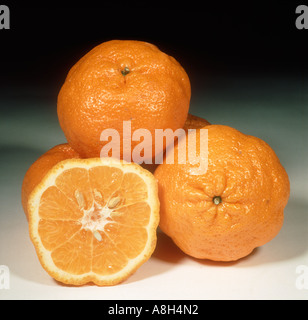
(94, 218)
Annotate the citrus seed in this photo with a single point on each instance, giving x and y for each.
(80, 199)
(97, 236)
(114, 202)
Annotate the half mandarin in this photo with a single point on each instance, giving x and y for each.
(94, 220)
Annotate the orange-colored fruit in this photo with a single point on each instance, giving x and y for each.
(118, 81)
(94, 220)
(194, 122)
(41, 166)
(236, 206)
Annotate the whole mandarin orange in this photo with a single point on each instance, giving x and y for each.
(122, 80)
(236, 206)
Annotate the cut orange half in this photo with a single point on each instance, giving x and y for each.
(94, 220)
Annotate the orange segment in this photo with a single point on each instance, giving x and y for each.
(55, 232)
(75, 184)
(105, 181)
(133, 188)
(75, 255)
(107, 258)
(54, 205)
(94, 220)
(127, 239)
(137, 214)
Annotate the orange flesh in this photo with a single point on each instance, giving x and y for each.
(79, 229)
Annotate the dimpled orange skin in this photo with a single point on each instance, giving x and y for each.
(122, 80)
(41, 166)
(248, 184)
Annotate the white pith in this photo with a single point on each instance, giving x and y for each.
(103, 217)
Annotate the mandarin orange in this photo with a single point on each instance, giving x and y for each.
(119, 81)
(232, 208)
(94, 220)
